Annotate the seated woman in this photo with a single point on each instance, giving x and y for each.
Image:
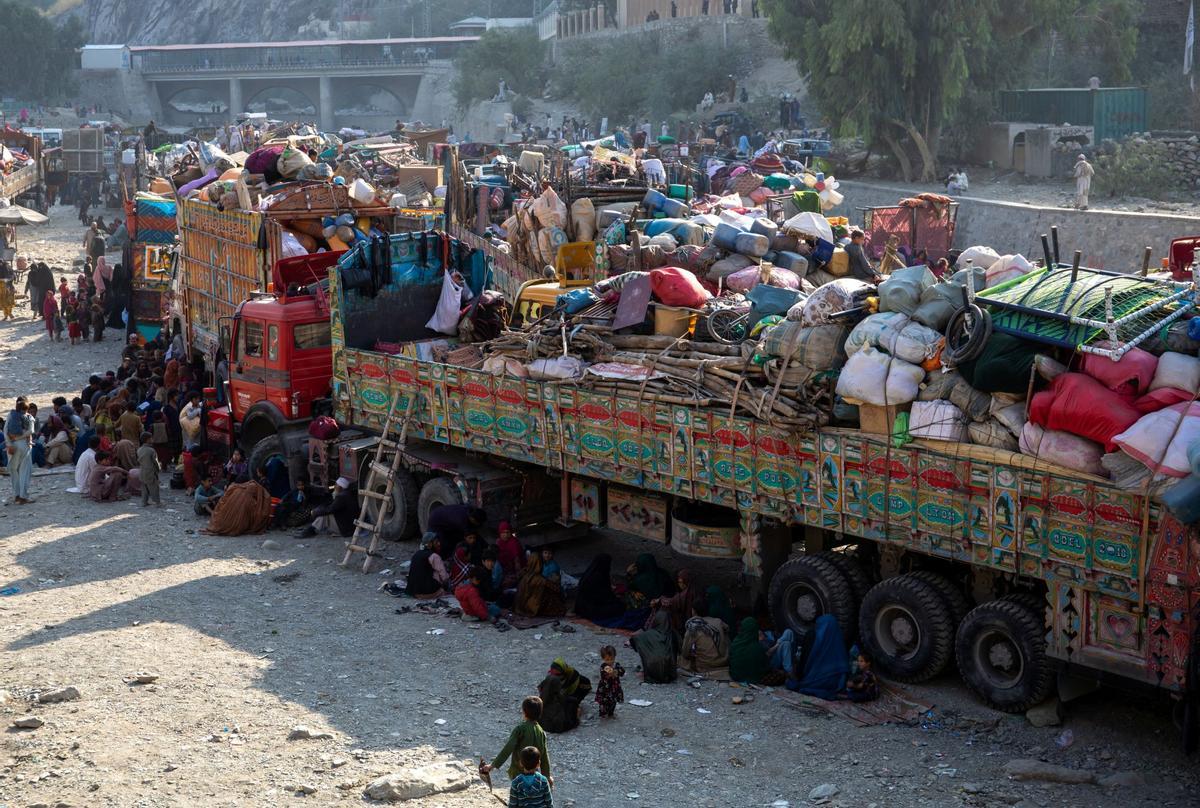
(59, 446)
(705, 642)
(647, 582)
(510, 554)
(595, 599)
(539, 594)
(679, 606)
(747, 657)
(427, 577)
(475, 546)
(562, 692)
(717, 605)
(658, 650)
(821, 669)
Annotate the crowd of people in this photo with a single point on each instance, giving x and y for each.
(676, 623)
(79, 304)
(119, 432)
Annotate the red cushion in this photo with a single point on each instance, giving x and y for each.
(1079, 404)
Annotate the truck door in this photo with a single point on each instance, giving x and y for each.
(247, 371)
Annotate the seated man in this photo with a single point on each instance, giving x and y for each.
(294, 509)
(341, 511)
(207, 496)
(107, 481)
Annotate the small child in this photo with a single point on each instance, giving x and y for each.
(609, 691)
(72, 323)
(83, 320)
(863, 686)
(97, 323)
(528, 733)
(530, 788)
(148, 467)
(64, 291)
(469, 597)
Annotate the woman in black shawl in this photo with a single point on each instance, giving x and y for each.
(594, 599)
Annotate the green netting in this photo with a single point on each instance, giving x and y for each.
(1037, 305)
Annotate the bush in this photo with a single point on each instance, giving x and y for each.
(516, 55)
(632, 76)
(1138, 167)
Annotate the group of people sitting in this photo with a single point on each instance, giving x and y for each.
(679, 621)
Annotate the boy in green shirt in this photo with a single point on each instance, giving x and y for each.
(528, 733)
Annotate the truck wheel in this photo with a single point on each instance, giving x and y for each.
(263, 451)
(399, 522)
(1001, 650)
(437, 492)
(849, 566)
(807, 587)
(1030, 600)
(956, 602)
(905, 627)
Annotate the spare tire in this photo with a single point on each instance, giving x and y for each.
(434, 494)
(807, 587)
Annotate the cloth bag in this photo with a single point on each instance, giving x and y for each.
(445, 316)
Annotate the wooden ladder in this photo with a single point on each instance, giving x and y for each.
(363, 527)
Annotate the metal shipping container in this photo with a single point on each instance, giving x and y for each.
(1115, 112)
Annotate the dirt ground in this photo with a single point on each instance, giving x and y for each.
(1051, 192)
(248, 641)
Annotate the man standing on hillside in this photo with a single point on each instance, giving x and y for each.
(1083, 182)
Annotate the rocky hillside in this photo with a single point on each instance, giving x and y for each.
(161, 22)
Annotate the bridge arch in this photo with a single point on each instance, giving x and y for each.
(281, 100)
(367, 102)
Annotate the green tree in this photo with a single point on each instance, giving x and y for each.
(896, 72)
(663, 81)
(36, 56)
(516, 55)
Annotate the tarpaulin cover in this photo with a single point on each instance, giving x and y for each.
(155, 219)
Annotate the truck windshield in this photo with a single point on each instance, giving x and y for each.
(311, 335)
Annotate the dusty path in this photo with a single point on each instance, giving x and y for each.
(247, 642)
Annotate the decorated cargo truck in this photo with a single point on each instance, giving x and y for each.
(229, 254)
(1015, 568)
(151, 223)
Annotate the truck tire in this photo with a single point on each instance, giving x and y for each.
(1030, 600)
(849, 566)
(435, 493)
(905, 627)
(1001, 651)
(263, 451)
(956, 602)
(807, 587)
(400, 520)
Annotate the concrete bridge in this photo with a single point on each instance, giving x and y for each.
(334, 82)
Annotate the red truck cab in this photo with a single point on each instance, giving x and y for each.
(280, 361)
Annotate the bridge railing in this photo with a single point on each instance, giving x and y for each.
(272, 60)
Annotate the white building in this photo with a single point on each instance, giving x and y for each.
(104, 57)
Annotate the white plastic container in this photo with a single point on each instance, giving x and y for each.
(362, 191)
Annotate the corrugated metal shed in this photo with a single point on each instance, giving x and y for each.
(1114, 112)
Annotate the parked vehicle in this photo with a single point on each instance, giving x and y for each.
(1016, 569)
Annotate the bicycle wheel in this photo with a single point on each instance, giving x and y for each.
(728, 325)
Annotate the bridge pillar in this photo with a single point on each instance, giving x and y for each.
(235, 98)
(325, 109)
